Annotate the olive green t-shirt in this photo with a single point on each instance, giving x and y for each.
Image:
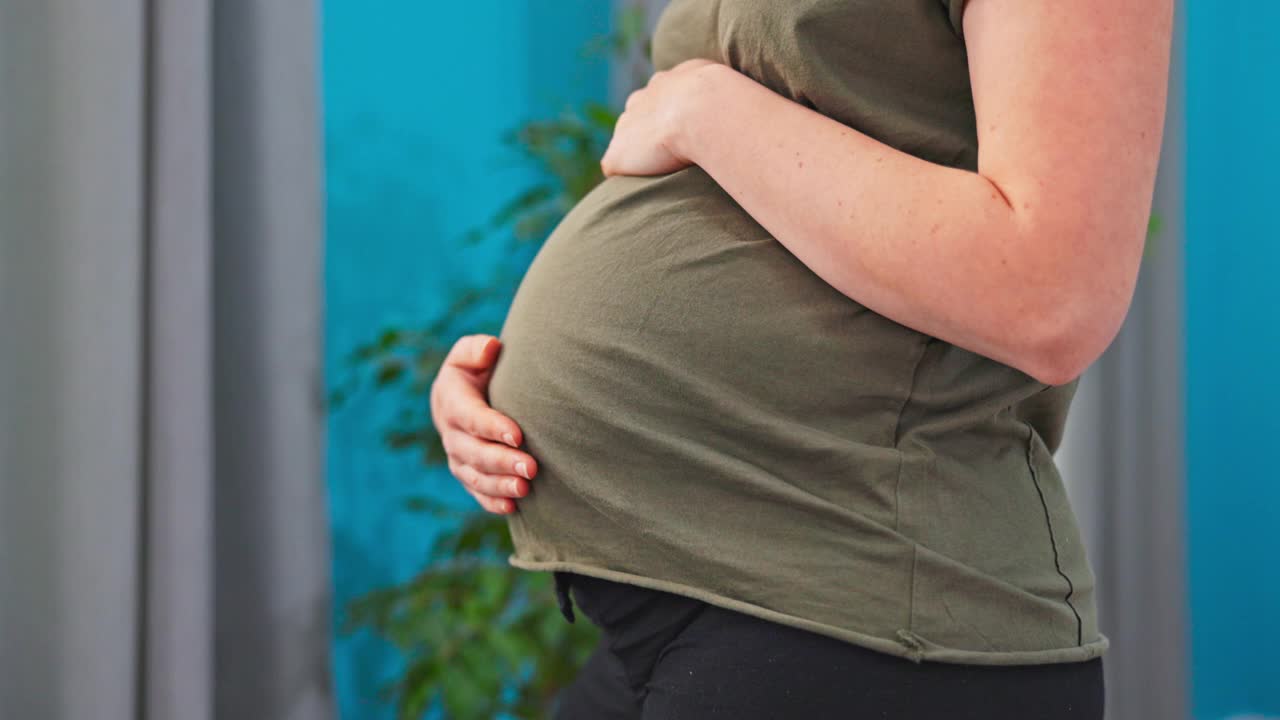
(712, 419)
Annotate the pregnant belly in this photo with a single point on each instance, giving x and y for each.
(664, 355)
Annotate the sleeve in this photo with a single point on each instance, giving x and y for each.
(955, 11)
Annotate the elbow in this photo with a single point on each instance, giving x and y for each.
(1058, 362)
(1068, 341)
(1077, 298)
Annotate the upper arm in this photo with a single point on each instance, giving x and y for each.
(1070, 103)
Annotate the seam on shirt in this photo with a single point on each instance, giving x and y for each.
(897, 487)
(911, 391)
(911, 597)
(897, 430)
(1035, 479)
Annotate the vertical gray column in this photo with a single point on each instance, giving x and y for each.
(71, 83)
(176, 617)
(272, 566)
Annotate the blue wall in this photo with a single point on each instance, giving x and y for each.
(417, 96)
(1233, 355)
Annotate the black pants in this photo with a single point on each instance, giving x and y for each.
(669, 657)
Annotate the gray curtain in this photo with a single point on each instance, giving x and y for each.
(162, 518)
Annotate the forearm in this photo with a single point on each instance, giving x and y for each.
(935, 248)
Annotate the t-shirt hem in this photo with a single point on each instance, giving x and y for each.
(908, 644)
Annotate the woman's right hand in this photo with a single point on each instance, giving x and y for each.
(481, 443)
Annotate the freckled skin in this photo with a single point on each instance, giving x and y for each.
(1082, 86)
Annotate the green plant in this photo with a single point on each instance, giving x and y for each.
(480, 638)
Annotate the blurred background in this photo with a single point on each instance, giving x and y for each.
(237, 238)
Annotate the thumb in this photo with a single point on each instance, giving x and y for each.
(474, 352)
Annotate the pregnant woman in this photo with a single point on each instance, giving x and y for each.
(777, 402)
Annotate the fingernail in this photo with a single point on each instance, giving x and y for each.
(506, 438)
(523, 470)
(513, 487)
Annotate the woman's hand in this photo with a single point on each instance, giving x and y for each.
(643, 138)
(473, 433)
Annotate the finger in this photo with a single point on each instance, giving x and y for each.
(497, 506)
(473, 352)
(490, 457)
(464, 407)
(494, 486)
(483, 421)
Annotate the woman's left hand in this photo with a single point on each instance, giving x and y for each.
(643, 138)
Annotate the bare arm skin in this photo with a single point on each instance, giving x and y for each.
(1033, 259)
